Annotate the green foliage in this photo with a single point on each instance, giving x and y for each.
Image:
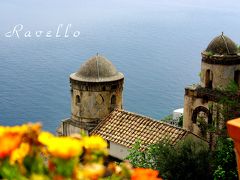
(167, 118)
(11, 172)
(203, 126)
(209, 53)
(136, 156)
(232, 87)
(225, 166)
(180, 121)
(230, 104)
(65, 167)
(188, 159)
(35, 165)
(223, 158)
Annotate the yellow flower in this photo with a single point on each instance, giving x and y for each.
(91, 171)
(62, 147)
(39, 177)
(20, 153)
(65, 147)
(94, 143)
(16, 129)
(44, 137)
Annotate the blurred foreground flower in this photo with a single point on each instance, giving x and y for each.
(20, 153)
(95, 149)
(62, 147)
(28, 153)
(11, 137)
(144, 174)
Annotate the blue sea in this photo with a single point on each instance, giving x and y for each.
(155, 43)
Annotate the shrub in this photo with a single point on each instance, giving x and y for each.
(189, 159)
(224, 160)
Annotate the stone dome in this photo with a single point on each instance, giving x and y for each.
(97, 69)
(222, 45)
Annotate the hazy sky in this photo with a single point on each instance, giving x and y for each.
(46, 13)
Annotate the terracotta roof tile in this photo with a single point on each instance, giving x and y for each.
(125, 128)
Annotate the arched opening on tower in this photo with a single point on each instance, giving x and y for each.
(78, 100)
(202, 118)
(113, 102)
(237, 77)
(208, 79)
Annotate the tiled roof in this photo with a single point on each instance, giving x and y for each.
(125, 128)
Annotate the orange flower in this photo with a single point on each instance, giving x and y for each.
(10, 139)
(144, 174)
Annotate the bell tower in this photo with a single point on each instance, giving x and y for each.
(96, 90)
(219, 67)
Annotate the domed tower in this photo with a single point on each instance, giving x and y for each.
(96, 89)
(220, 63)
(219, 67)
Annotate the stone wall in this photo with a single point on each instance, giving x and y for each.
(93, 101)
(202, 99)
(222, 74)
(191, 103)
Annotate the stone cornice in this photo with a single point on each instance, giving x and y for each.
(221, 59)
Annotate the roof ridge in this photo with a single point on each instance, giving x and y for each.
(97, 66)
(223, 38)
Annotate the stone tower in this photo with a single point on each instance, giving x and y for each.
(219, 67)
(96, 89)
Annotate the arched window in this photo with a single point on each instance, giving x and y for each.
(236, 77)
(208, 79)
(113, 102)
(202, 117)
(78, 100)
(202, 112)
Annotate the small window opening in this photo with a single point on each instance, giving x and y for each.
(236, 77)
(209, 79)
(113, 102)
(78, 100)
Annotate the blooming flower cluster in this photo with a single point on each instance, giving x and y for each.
(26, 152)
